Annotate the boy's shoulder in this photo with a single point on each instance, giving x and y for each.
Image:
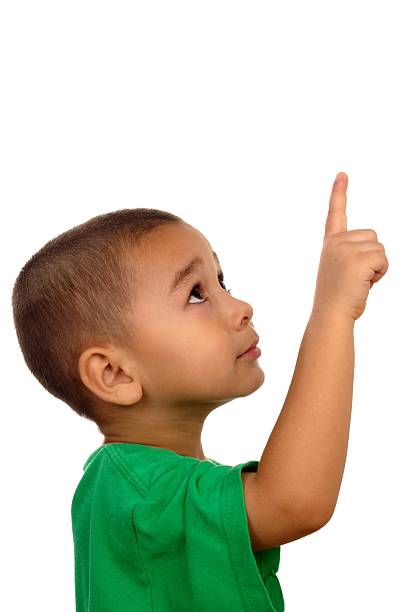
(141, 464)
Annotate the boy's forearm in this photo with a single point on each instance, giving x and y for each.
(305, 455)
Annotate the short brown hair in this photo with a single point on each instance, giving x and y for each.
(77, 291)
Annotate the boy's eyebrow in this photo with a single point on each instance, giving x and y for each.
(187, 270)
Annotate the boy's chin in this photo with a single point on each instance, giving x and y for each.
(253, 383)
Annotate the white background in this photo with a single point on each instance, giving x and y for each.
(235, 116)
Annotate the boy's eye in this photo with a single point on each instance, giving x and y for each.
(197, 288)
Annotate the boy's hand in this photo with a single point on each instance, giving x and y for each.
(351, 261)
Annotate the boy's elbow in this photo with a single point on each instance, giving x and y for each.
(314, 518)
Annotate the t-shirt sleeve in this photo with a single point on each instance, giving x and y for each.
(194, 511)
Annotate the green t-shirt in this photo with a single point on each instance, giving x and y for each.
(156, 531)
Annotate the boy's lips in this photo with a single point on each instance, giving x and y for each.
(253, 344)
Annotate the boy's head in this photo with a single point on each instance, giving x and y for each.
(108, 324)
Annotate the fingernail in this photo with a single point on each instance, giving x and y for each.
(338, 177)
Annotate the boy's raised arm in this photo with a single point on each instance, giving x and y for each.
(302, 465)
(303, 462)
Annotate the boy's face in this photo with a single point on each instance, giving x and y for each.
(186, 358)
(190, 340)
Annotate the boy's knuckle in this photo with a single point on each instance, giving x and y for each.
(372, 233)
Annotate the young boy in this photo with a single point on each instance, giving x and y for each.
(126, 318)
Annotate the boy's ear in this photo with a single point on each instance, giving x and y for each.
(101, 372)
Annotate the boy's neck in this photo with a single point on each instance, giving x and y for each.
(186, 448)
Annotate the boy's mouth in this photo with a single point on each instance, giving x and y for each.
(252, 346)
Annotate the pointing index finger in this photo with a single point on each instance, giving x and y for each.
(337, 219)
